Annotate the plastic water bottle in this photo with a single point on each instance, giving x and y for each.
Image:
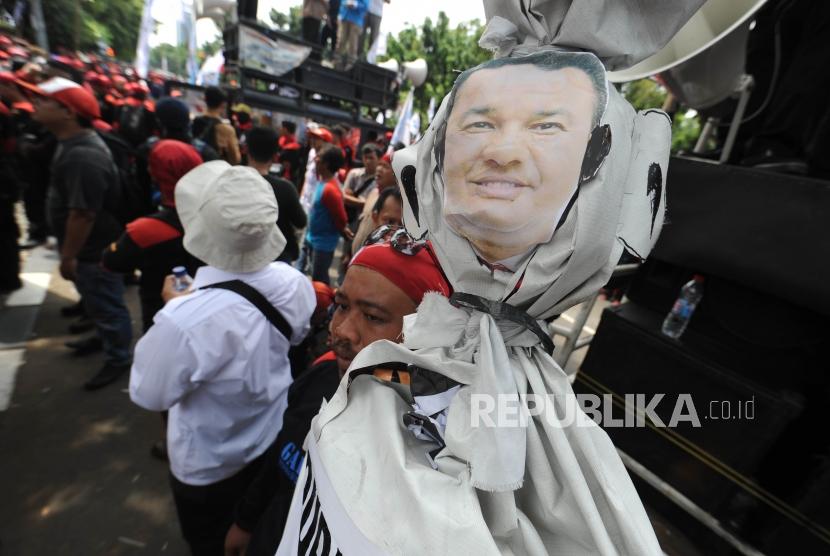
(181, 281)
(678, 318)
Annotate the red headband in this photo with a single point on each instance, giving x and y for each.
(168, 162)
(414, 274)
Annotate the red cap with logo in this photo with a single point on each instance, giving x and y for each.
(322, 133)
(70, 94)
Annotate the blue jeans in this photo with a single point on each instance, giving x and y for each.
(103, 295)
(320, 262)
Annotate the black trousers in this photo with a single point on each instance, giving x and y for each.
(9, 250)
(311, 33)
(311, 29)
(207, 512)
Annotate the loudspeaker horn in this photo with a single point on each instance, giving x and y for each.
(415, 71)
(703, 64)
(391, 64)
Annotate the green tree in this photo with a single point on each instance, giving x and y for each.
(176, 57)
(83, 24)
(446, 50)
(210, 48)
(292, 22)
(647, 93)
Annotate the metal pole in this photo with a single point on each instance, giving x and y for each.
(562, 356)
(709, 521)
(708, 130)
(745, 89)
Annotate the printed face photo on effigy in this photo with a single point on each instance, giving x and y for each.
(513, 148)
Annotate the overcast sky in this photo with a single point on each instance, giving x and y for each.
(396, 15)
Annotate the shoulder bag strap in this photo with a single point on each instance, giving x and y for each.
(257, 300)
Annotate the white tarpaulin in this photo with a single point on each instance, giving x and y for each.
(272, 56)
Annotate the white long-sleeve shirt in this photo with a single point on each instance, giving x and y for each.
(221, 368)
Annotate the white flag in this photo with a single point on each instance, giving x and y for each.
(142, 49)
(401, 133)
(431, 109)
(414, 127)
(190, 22)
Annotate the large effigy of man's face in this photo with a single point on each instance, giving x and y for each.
(513, 150)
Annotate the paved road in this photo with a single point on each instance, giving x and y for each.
(76, 476)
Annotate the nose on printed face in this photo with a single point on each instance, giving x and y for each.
(505, 149)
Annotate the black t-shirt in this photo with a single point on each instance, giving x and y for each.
(291, 216)
(83, 177)
(264, 507)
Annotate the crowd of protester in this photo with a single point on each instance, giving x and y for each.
(238, 358)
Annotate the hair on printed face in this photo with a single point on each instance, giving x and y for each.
(546, 61)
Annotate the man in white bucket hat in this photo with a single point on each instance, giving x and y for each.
(216, 356)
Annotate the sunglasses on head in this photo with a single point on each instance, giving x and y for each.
(397, 237)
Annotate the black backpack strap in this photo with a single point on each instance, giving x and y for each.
(257, 300)
(366, 183)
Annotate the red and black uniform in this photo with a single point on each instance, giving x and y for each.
(154, 245)
(136, 120)
(289, 157)
(9, 191)
(111, 106)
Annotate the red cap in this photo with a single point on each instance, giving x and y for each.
(24, 106)
(17, 51)
(322, 133)
(101, 125)
(68, 93)
(324, 294)
(414, 274)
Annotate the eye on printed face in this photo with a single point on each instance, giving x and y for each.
(513, 151)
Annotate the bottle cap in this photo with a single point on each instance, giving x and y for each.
(179, 270)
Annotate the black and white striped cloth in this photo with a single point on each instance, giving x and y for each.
(315, 537)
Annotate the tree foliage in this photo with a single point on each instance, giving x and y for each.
(176, 57)
(292, 22)
(647, 93)
(446, 50)
(83, 25)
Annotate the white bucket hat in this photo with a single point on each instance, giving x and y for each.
(229, 215)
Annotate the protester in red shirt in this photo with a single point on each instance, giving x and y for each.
(289, 152)
(327, 218)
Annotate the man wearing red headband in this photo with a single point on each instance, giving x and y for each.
(382, 285)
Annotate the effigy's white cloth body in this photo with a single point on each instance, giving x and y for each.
(554, 485)
(575, 496)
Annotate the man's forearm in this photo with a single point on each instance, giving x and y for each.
(352, 200)
(78, 227)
